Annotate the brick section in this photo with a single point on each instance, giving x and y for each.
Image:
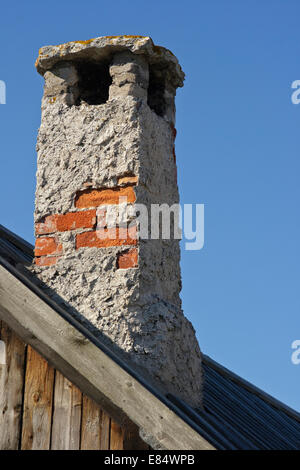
(65, 222)
(47, 246)
(46, 260)
(48, 226)
(98, 197)
(128, 259)
(174, 131)
(128, 180)
(110, 237)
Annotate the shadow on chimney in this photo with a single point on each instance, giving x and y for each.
(156, 91)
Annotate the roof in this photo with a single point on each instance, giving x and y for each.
(236, 414)
(242, 417)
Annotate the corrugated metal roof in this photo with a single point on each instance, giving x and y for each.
(250, 418)
(236, 414)
(14, 248)
(239, 416)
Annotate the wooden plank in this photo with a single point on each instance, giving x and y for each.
(91, 428)
(38, 398)
(66, 422)
(123, 397)
(116, 436)
(105, 422)
(2, 352)
(11, 389)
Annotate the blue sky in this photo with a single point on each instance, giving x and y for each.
(237, 152)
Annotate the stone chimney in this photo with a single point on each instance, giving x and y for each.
(107, 132)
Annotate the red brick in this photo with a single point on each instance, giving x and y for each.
(113, 237)
(65, 222)
(47, 226)
(46, 260)
(98, 197)
(47, 246)
(128, 259)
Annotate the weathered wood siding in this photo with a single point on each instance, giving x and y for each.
(41, 410)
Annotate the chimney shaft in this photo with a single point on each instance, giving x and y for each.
(107, 132)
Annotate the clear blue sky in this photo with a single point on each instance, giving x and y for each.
(237, 152)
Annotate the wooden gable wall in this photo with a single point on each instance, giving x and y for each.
(41, 410)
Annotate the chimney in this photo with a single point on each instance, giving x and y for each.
(105, 148)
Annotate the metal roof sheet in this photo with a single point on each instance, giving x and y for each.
(246, 413)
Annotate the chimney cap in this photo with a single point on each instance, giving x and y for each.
(102, 48)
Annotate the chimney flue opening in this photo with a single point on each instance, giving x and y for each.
(94, 82)
(156, 91)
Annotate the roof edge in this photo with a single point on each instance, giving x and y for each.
(85, 361)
